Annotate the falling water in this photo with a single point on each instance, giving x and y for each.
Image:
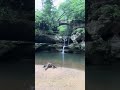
(63, 58)
(63, 52)
(63, 47)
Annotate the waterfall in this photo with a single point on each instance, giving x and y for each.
(63, 52)
(63, 47)
(63, 59)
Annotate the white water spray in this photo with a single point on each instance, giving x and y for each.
(63, 49)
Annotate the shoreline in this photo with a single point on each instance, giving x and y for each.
(59, 78)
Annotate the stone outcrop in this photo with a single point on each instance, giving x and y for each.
(103, 25)
(45, 39)
(15, 51)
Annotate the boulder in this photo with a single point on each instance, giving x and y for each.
(45, 39)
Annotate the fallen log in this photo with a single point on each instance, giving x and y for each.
(49, 65)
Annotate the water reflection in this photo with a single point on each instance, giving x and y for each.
(61, 60)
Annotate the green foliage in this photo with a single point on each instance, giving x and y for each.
(73, 9)
(69, 9)
(79, 30)
(62, 29)
(50, 32)
(48, 4)
(48, 15)
(38, 18)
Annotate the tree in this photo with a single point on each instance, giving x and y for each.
(73, 9)
(48, 15)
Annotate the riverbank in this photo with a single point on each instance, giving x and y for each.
(59, 79)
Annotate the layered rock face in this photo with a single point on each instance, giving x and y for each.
(103, 24)
(73, 44)
(15, 51)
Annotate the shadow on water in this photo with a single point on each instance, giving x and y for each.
(16, 76)
(17, 68)
(103, 77)
(68, 60)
